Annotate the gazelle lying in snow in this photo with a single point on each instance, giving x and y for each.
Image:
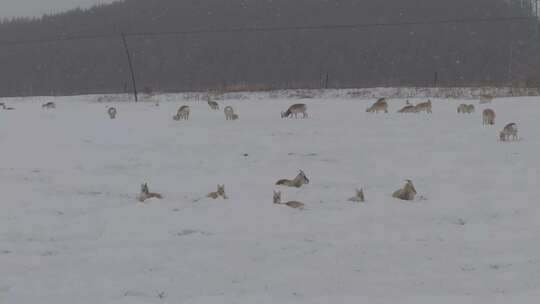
(183, 113)
(48, 105)
(292, 204)
(146, 194)
(5, 107)
(112, 112)
(423, 106)
(220, 192)
(488, 117)
(229, 113)
(359, 196)
(379, 105)
(298, 181)
(510, 130)
(295, 109)
(408, 108)
(407, 193)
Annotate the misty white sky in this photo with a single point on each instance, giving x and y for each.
(28, 8)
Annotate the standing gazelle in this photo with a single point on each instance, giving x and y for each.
(212, 104)
(112, 112)
(488, 117)
(295, 109)
(509, 131)
(298, 181)
(229, 113)
(183, 113)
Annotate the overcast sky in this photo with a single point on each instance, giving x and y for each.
(17, 8)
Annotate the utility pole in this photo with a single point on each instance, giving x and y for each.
(128, 55)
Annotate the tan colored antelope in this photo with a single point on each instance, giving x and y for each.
(295, 109)
(292, 204)
(183, 113)
(378, 106)
(359, 196)
(297, 182)
(509, 131)
(48, 105)
(229, 113)
(465, 109)
(423, 107)
(5, 107)
(407, 193)
(146, 194)
(488, 117)
(408, 108)
(486, 98)
(112, 112)
(212, 104)
(220, 192)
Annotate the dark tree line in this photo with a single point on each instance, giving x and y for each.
(482, 53)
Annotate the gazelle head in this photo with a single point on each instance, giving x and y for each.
(302, 177)
(277, 197)
(221, 189)
(144, 188)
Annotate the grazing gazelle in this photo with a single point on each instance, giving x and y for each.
(213, 104)
(423, 106)
(183, 113)
(146, 194)
(359, 196)
(48, 105)
(488, 117)
(229, 113)
(112, 112)
(298, 181)
(465, 109)
(407, 193)
(379, 105)
(509, 131)
(292, 204)
(220, 192)
(295, 109)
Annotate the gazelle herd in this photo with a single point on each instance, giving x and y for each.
(407, 192)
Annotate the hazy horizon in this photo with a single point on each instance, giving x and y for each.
(36, 8)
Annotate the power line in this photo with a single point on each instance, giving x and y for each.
(268, 29)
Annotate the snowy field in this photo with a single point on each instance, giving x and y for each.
(72, 231)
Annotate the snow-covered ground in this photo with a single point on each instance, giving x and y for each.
(71, 230)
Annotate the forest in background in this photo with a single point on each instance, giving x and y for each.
(449, 54)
